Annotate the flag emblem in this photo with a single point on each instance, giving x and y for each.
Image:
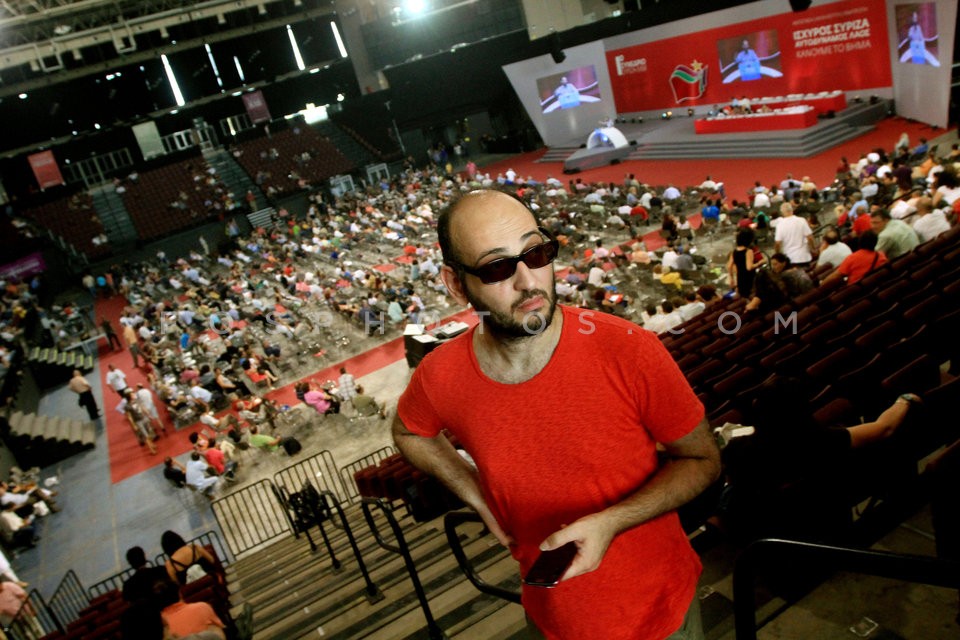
(688, 82)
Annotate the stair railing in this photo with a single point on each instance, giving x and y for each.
(401, 548)
(451, 521)
(252, 516)
(33, 621)
(907, 568)
(68, 599)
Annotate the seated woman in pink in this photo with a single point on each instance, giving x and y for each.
(315, 396)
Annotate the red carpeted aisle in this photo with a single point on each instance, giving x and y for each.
(128, 458)
(737, 174)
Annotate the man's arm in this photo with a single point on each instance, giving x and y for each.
(694, 464)
(438, 458)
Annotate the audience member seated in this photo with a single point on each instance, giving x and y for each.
(791, 456)
(894, 237)
(197, 476)
(859, 263)
(187, 562)
(777, 285)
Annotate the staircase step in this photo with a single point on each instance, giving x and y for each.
(336, 612)
(88, 437)
(23, 423)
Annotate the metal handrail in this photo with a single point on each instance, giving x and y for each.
(68, 599)
(401, 547)
(319, 469)
(907, 568)
(251, 516)
(373, 592)
(351, 494)
(113, 583)
(451, 521)
(206, 539)
(33, 620)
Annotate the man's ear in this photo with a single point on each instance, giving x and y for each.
(454, 284)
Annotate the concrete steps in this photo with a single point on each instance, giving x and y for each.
(51, 367)
(296, 594)
(45, 440)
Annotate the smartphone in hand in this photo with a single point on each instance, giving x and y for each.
(550, 566)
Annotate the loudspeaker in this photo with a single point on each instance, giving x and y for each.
(556, 51)
(800, 5)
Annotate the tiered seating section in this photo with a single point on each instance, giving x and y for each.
(174, 197)
(278, 163)
(856, 347)
(100, 620)
(396, 479)
(73, 218)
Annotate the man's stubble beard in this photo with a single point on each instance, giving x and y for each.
(504, 327)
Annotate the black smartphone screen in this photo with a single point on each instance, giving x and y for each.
(550, 566)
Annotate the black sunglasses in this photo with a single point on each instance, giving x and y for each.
(535, 257)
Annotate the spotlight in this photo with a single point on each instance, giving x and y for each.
(639, 120)
(690, 112)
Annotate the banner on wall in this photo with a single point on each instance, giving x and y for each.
(45, 169)
(256, 107)
(838, 46)
(25, 267)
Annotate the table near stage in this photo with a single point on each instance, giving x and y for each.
(788, 118)
(822, 102)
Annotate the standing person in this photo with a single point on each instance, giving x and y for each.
(145, 398)
(139, 421)
(133, 343)
(111, 335)
(79, 385)
(546, 476)
(794, 237)
(346, 386)
(741, 267)
(117, 379)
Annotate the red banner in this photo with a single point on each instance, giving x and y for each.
(45, 169)
(838, 46)
(256, 107)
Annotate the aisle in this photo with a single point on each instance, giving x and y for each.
(128, 458)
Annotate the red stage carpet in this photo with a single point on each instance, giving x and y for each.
(128, 458)
(737, 174)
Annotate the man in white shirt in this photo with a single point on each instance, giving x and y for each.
(929, 223)
(793, 237)
(832, 251)
(692, 308)
(671, 193)
(596, 276)
(197, 475)
(670, 258)
(201, 395)
(117, 379)
(761, 200)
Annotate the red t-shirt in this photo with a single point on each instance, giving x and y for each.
(859, 263)
(215, 459)
(185, 618)
(861, 224)
(576, 438)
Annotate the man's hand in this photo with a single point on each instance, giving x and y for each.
(592, 534)
(491, 522)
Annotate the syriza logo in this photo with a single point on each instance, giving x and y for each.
(625, 66)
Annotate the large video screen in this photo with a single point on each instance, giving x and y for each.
(750, 57)
(917, 33)
(569, 89)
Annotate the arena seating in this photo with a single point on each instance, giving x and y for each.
(396, 480)
(853, 351)
(279, 157)
(173, 197)
(73, 219)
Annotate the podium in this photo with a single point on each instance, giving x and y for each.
(418, 342)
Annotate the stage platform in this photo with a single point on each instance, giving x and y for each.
(676, 139)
